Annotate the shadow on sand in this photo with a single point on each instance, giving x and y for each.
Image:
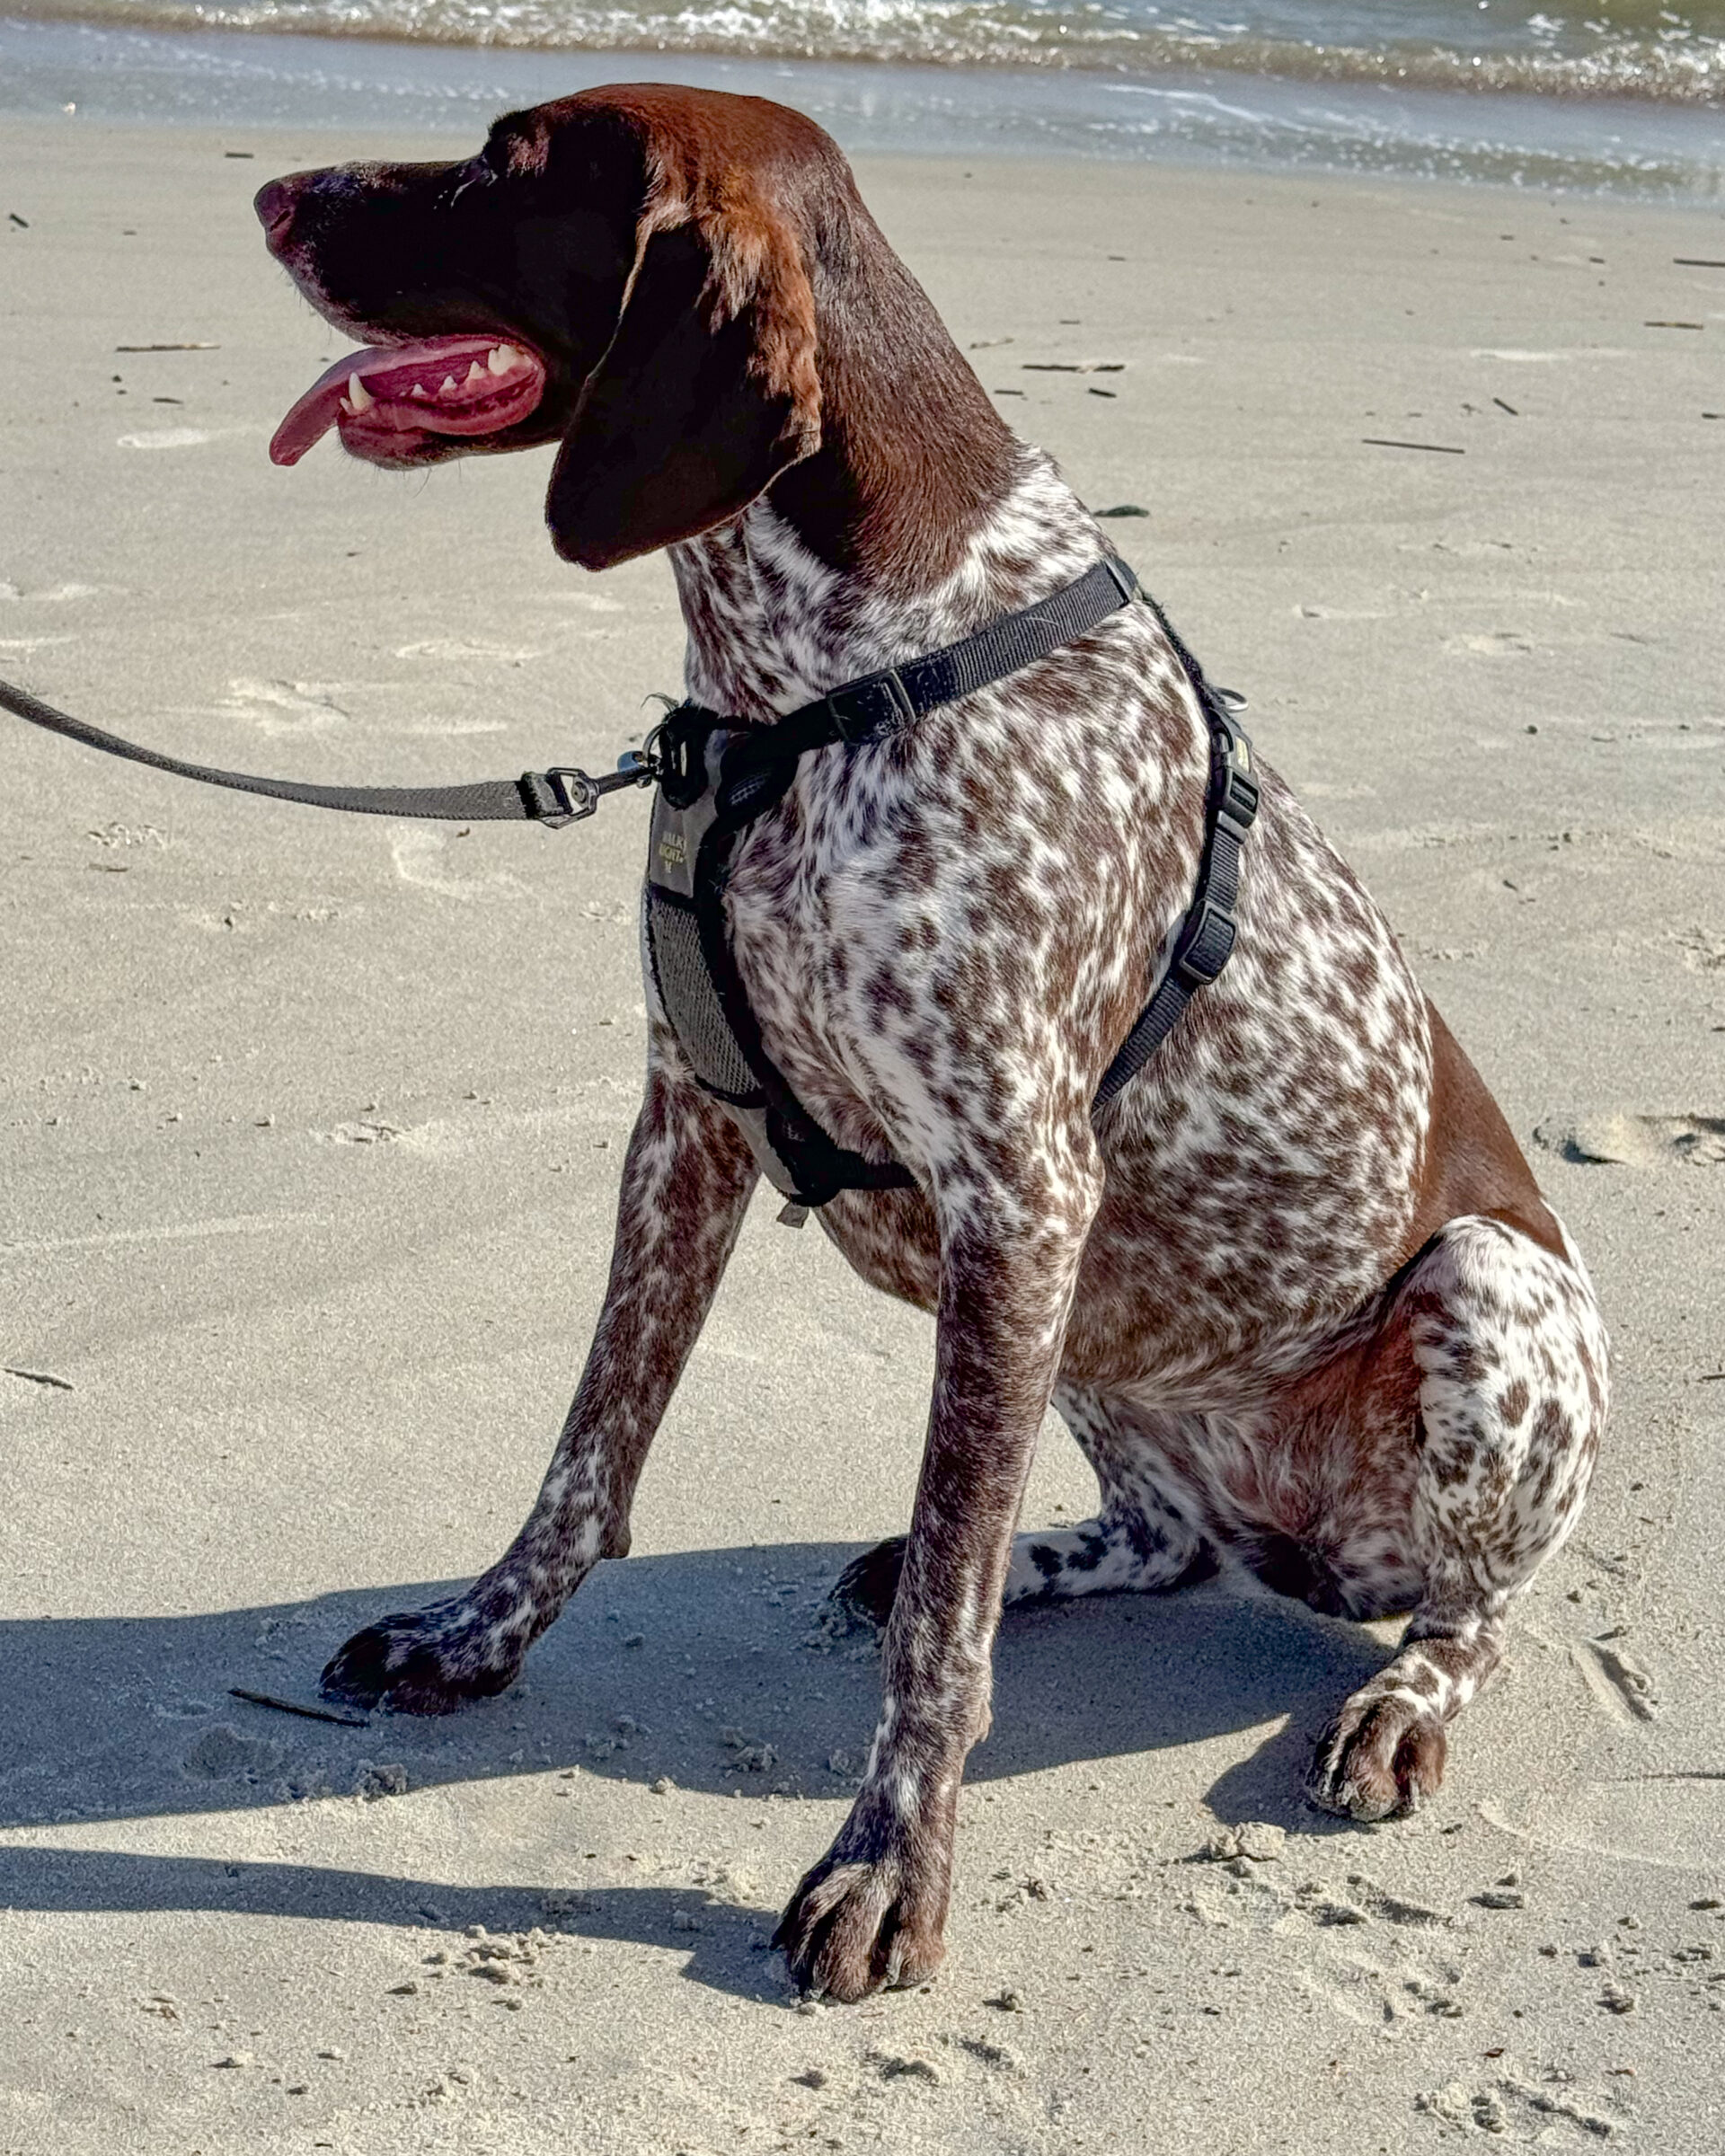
(703, 1666)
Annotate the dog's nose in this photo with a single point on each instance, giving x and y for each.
(275, 207)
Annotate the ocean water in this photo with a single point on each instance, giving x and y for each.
(1627, 97)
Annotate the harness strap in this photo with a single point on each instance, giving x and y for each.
(760, 763)
(1204, 942)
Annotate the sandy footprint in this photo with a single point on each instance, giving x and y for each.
(421, 858)
(1703, 949)
(51, 595)
(1509, 2107)
(1620, 1685)
(1627, 1140)
(283, 707)
(460, 647)
(170, 437)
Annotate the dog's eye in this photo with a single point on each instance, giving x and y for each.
(476, 174)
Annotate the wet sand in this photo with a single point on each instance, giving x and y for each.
(309, 1137)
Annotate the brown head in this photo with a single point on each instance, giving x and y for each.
(682, 287)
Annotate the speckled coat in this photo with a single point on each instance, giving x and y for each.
(1294, 1290)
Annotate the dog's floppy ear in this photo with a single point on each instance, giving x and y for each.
(708, 389)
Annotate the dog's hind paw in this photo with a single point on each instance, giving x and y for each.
(862, 1594)
(429, 1662)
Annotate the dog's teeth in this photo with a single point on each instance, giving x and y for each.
(347, 407)
(502, 357)
(362, 397)
(417, 390)
(476, 373)
(448, 389)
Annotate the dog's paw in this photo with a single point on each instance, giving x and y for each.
(1380, 1758)
(862, 1594)
(854, 1927)
(429, 1662)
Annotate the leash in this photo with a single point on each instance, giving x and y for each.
(562, 795)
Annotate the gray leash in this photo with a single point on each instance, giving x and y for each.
(561, 795)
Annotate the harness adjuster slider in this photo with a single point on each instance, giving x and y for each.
(879, 703)
(1205, 951)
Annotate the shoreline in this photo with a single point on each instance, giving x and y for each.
(1614, 148)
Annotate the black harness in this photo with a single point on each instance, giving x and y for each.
(716, 778)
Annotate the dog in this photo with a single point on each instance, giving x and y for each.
(1294, 1289)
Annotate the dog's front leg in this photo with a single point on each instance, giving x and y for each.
(871, 1912)
(687, 1181)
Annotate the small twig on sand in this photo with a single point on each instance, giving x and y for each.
(312, 1714)
(41, 1377)
(1678, 1775)
(167, 348)
(1510, 408)
(1378, 441)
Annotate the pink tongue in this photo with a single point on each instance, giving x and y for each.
(389, 373)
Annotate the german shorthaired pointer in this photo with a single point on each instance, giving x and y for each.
(1294, 1289)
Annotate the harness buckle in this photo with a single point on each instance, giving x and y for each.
(1239, 804)
(1238, 791)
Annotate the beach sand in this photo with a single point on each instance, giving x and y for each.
(310, 1139)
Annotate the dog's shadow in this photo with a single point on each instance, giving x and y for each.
(710, 1669)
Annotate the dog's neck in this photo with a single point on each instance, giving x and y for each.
(772, 625)
(920, 518)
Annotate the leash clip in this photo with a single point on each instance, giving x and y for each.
(575, 796)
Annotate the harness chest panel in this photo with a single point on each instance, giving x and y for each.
(687, 992)
(694, 977)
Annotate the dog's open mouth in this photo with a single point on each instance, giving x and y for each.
(387, 399)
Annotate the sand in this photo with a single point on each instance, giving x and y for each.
(309, 1137)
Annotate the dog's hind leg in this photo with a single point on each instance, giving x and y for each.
(686, 1182)
(1511, 1358)
(1140, 1543)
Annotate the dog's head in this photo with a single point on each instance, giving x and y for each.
(628, 270)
